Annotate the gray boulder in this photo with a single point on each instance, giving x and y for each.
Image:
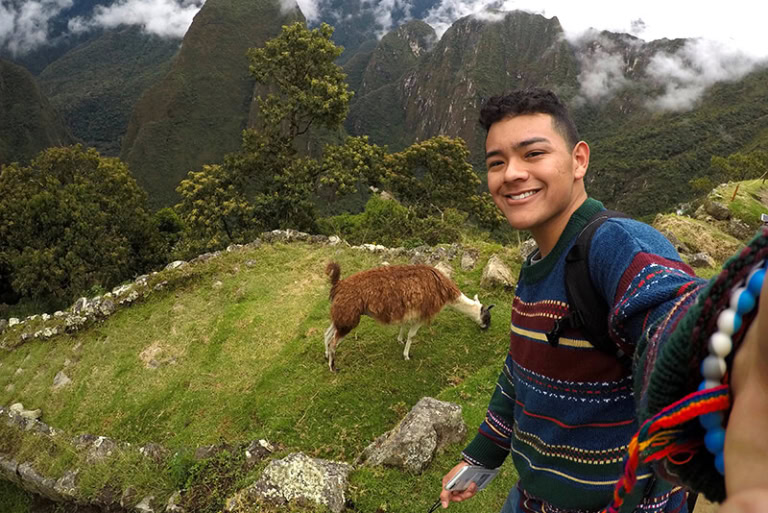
(739, 229)
(468, 259)
(496, 273)
(426, 429)
(297, 479)
(717, 210)
(527, 247)
(61, 380)
(702, 260)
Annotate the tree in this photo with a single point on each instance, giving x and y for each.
(72, 220)
(310, 85)
(742, 166)
(214, 210)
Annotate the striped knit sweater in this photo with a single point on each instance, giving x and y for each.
(567, 413)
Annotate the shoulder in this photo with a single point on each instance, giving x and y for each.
(623, 238)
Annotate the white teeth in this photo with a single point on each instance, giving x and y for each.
(523, 195)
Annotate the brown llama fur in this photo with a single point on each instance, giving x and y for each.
(401, 294)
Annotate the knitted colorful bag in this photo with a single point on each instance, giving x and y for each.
(671, 435)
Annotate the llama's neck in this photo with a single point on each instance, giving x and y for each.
(468, 307)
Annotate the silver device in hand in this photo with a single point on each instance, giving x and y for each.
(481, 476)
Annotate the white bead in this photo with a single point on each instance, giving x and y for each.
(725, 321)
(711, 383)
(713, 367)
(720, 344)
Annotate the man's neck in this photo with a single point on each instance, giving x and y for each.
(546, 236)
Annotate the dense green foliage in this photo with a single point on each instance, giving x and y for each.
(387, 222)
(73, 220)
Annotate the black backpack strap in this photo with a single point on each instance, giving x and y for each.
(588, 310)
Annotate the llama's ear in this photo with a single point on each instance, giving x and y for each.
(476, 300)
(490, 306)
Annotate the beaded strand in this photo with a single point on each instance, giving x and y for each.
(743, 300)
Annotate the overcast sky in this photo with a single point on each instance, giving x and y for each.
(738, 23)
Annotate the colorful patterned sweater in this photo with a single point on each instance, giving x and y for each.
(567, 413)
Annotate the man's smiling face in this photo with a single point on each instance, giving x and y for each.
(534, 177)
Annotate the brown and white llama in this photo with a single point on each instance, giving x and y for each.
(399, 294)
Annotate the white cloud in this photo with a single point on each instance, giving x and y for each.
(25, 26)
(687, 73)
(164, 18)
(309, 8)
(383, 11)
(445, 14)
(602, 75)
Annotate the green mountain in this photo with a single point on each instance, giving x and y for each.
(395, 54)
(196, 113)
(474, 59)
(28, 123)
(643, 158)
(95, 86)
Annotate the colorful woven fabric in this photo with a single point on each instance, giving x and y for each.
(675, 372)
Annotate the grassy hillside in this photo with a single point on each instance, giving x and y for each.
(238, 355)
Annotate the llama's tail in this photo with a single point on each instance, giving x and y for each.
(334, 272)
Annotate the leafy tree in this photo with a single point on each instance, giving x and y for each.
(214, 211)
(433, 174)
(73, 220)
(741, 166)
(311, 87)
(701, 184)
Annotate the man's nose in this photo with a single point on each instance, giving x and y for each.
(515, 170)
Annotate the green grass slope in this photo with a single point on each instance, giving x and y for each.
(237, 354)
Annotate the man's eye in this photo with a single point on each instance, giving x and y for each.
(534, 154)
(494, 163)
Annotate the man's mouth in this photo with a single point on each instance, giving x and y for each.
(521, 195)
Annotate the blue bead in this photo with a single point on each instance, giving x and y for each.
(711, 420)
(736, 323)
(746, 302)
(720, 463)
(756, 282)
(715, 440)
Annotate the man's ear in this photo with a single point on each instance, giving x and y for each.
(580, 156)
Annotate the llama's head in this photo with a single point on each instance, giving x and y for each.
(485, 314)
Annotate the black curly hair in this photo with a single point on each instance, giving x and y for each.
(530, 101)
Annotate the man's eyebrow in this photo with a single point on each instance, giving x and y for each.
(528, 142)
(521, 144)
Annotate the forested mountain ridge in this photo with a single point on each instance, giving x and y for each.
(196, 113)
(28, 123)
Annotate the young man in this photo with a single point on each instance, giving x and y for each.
(567, 413)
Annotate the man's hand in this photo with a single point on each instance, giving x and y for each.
(746, 439)
(447, 496)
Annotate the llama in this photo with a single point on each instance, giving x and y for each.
(401, 294)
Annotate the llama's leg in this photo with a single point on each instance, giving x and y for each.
(411, 334)
(400, 335)
(329, 334)
(337, 338)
